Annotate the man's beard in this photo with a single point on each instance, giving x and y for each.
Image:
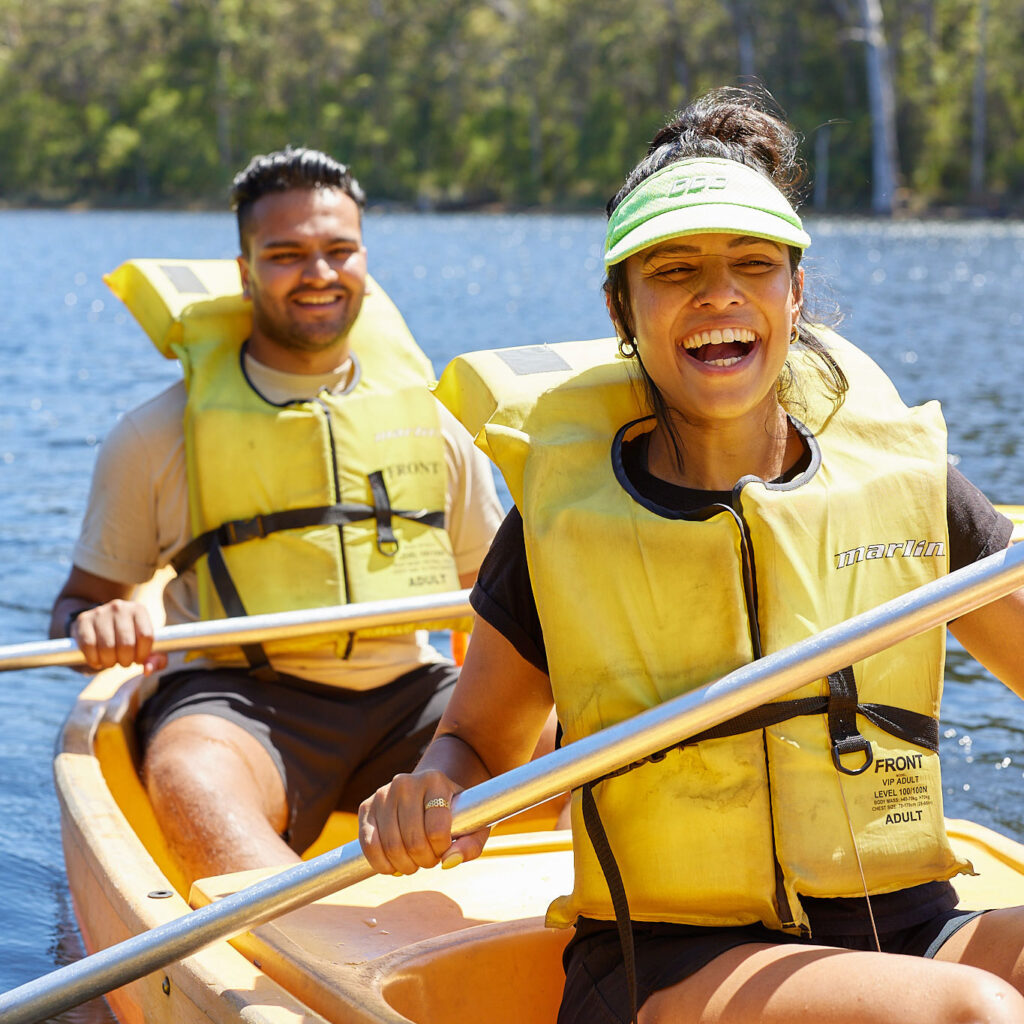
(283, 331)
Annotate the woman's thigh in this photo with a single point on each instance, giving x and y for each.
(771, 984)
(994, 942)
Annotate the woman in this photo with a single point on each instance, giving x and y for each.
(769, 483)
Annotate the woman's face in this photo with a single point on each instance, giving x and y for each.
(713, 315)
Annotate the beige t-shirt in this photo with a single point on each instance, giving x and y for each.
(137, 520)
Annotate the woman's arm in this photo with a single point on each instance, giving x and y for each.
(994, 636)
(497, 712)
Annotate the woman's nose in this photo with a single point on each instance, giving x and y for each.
(716, 287)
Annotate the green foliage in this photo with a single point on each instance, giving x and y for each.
(479, 101)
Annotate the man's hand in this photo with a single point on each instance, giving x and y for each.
(117, 633)
(108, 626)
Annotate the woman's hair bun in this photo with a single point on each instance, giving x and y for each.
(741, 124)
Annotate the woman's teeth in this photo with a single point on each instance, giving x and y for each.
(700, 345)
(719, 337)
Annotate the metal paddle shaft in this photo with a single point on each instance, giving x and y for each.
(343, 618)
(769, 678)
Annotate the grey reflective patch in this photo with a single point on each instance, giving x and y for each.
(532, 359)
(185, 279)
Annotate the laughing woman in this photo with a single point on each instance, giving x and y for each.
(758, 485)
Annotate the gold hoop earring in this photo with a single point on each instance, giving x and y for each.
(795, 336)
(627, 347)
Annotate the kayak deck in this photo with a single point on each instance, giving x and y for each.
(448, 946)
(437, 946)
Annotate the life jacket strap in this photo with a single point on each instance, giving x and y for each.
(387, 542)
(911, 726)
(259, 664)
(238, 531)
(616, 889)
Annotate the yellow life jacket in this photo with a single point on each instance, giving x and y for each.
(334, 500)
(731, 828)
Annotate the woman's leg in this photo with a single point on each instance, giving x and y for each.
(792, 984)
(994, 941)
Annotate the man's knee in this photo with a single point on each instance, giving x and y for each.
(202, 762)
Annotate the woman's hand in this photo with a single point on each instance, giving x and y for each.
(407, 825)
(492, 724)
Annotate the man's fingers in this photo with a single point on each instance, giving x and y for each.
(154, 663)
(116, 633)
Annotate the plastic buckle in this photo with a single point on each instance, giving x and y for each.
(238, 531)
(852, 744)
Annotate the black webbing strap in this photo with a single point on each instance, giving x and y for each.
(259, 664)
(382, 513)
(842, 722)
(921, 730)
(238, 531)
(617, 891)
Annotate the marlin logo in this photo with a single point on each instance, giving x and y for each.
(696, 183)
(900, 548)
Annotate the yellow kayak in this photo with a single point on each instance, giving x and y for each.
(1016, 513)
(432, 948)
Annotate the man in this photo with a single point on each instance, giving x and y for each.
(244, 760)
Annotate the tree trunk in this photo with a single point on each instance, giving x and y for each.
(743, 23)
(979, 115)
(821, 141)
(882, 100)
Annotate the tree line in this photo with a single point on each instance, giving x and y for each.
(903, 104)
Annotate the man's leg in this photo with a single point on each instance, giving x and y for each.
(218, 796)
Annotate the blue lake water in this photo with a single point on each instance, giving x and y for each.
(939, 305)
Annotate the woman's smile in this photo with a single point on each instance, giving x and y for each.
(725, 346)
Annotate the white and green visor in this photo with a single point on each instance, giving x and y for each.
(699, 196)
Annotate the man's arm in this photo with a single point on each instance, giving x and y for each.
(108, 626)
(473, 512)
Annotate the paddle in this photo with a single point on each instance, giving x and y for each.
(259, 628)
(286, 625)
(844, 644)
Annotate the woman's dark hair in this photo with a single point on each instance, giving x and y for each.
(282, 171)
(745, 125)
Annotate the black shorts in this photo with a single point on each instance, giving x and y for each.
(595, 978)
(333, 747)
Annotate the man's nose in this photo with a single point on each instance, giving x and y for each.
(319, 268)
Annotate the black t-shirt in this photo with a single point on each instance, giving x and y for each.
(503, 596)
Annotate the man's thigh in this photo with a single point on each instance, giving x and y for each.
(331, 747)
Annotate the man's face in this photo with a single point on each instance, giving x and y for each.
(305, 272)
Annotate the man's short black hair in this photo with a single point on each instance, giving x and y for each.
(284, 170)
